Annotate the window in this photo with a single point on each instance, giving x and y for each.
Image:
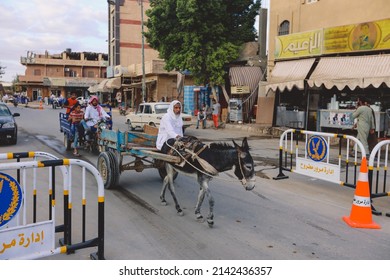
(37, 72)
(284, 28)
(90, 74)
(148, 109)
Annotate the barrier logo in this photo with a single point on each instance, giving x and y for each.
(10, 198)
(317, 148)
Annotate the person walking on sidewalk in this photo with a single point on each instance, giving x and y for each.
(216, 110)
(365, 122)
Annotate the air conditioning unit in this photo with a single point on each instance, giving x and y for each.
(67, 69)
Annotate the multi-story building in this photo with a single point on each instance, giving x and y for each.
(323, 55)
(131, 58)
(61, 74)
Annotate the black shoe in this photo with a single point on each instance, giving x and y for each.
(197, 127)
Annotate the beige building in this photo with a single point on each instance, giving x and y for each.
(127, 53)
(323, 55)
(61, 74)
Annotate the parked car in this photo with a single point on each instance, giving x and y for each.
(8, 126)
(151, 114)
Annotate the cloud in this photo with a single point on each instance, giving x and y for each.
(36, 25)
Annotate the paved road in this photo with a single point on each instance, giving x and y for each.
(297, 218)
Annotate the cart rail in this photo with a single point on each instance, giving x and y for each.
(140, 147)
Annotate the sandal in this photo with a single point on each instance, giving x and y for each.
(76, 154)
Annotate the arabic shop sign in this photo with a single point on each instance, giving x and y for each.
(299, 44)
(10, 198)
(366, 36)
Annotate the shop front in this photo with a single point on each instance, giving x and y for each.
(319, 75)
(346, 79)
(288, 81)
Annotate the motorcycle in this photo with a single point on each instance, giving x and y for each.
(56, 103)
(122, 109)
(91, 138)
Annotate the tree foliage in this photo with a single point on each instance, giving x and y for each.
(2, 72)
(201, 36)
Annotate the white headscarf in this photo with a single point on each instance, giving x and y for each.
(177, 119)
(171, 125)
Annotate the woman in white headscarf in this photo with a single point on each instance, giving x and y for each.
(171, 125)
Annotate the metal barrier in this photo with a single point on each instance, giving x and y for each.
(319, 160)
(14, 236)
(379, 160)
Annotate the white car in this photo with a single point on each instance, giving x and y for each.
(82, 101)
(151, 114)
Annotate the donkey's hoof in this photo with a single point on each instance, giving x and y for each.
(180, 213)
(200, 219)
(210, 223)
(164, 203)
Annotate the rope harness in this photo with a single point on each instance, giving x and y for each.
(189, 148)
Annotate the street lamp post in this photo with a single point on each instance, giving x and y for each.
(141, 2)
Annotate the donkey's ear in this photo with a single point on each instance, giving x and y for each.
(245, 145)
(235, 145)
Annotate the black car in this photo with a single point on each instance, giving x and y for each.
(8, 126)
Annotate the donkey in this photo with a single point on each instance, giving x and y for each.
(206, 161)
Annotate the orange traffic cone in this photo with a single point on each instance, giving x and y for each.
(361, 216)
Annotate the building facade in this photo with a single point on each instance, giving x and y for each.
(132, 61)
(323, 55)
(61, 74)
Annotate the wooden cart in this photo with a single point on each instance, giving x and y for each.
(129, 150)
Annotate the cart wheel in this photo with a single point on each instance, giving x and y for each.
(104, 166)
(118, 158)
(114, 169)
(162, 172)
(67, 143)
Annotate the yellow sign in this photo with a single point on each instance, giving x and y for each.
(299, 44)
(366, 36)
(240, 90)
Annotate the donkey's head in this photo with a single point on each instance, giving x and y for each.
(244, 167)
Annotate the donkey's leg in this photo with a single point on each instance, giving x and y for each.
(210, 217)
(171, 186)
(198, 205)
(163, 189)
(202, 180)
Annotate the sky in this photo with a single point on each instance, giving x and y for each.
(54, 25)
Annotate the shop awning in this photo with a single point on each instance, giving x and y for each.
(102, 86)
(287, 74)
(351, 71)
(245, 76)
(138, 84)
(114, 83)
(93, 89)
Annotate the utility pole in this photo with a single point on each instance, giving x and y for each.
(141, 2)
